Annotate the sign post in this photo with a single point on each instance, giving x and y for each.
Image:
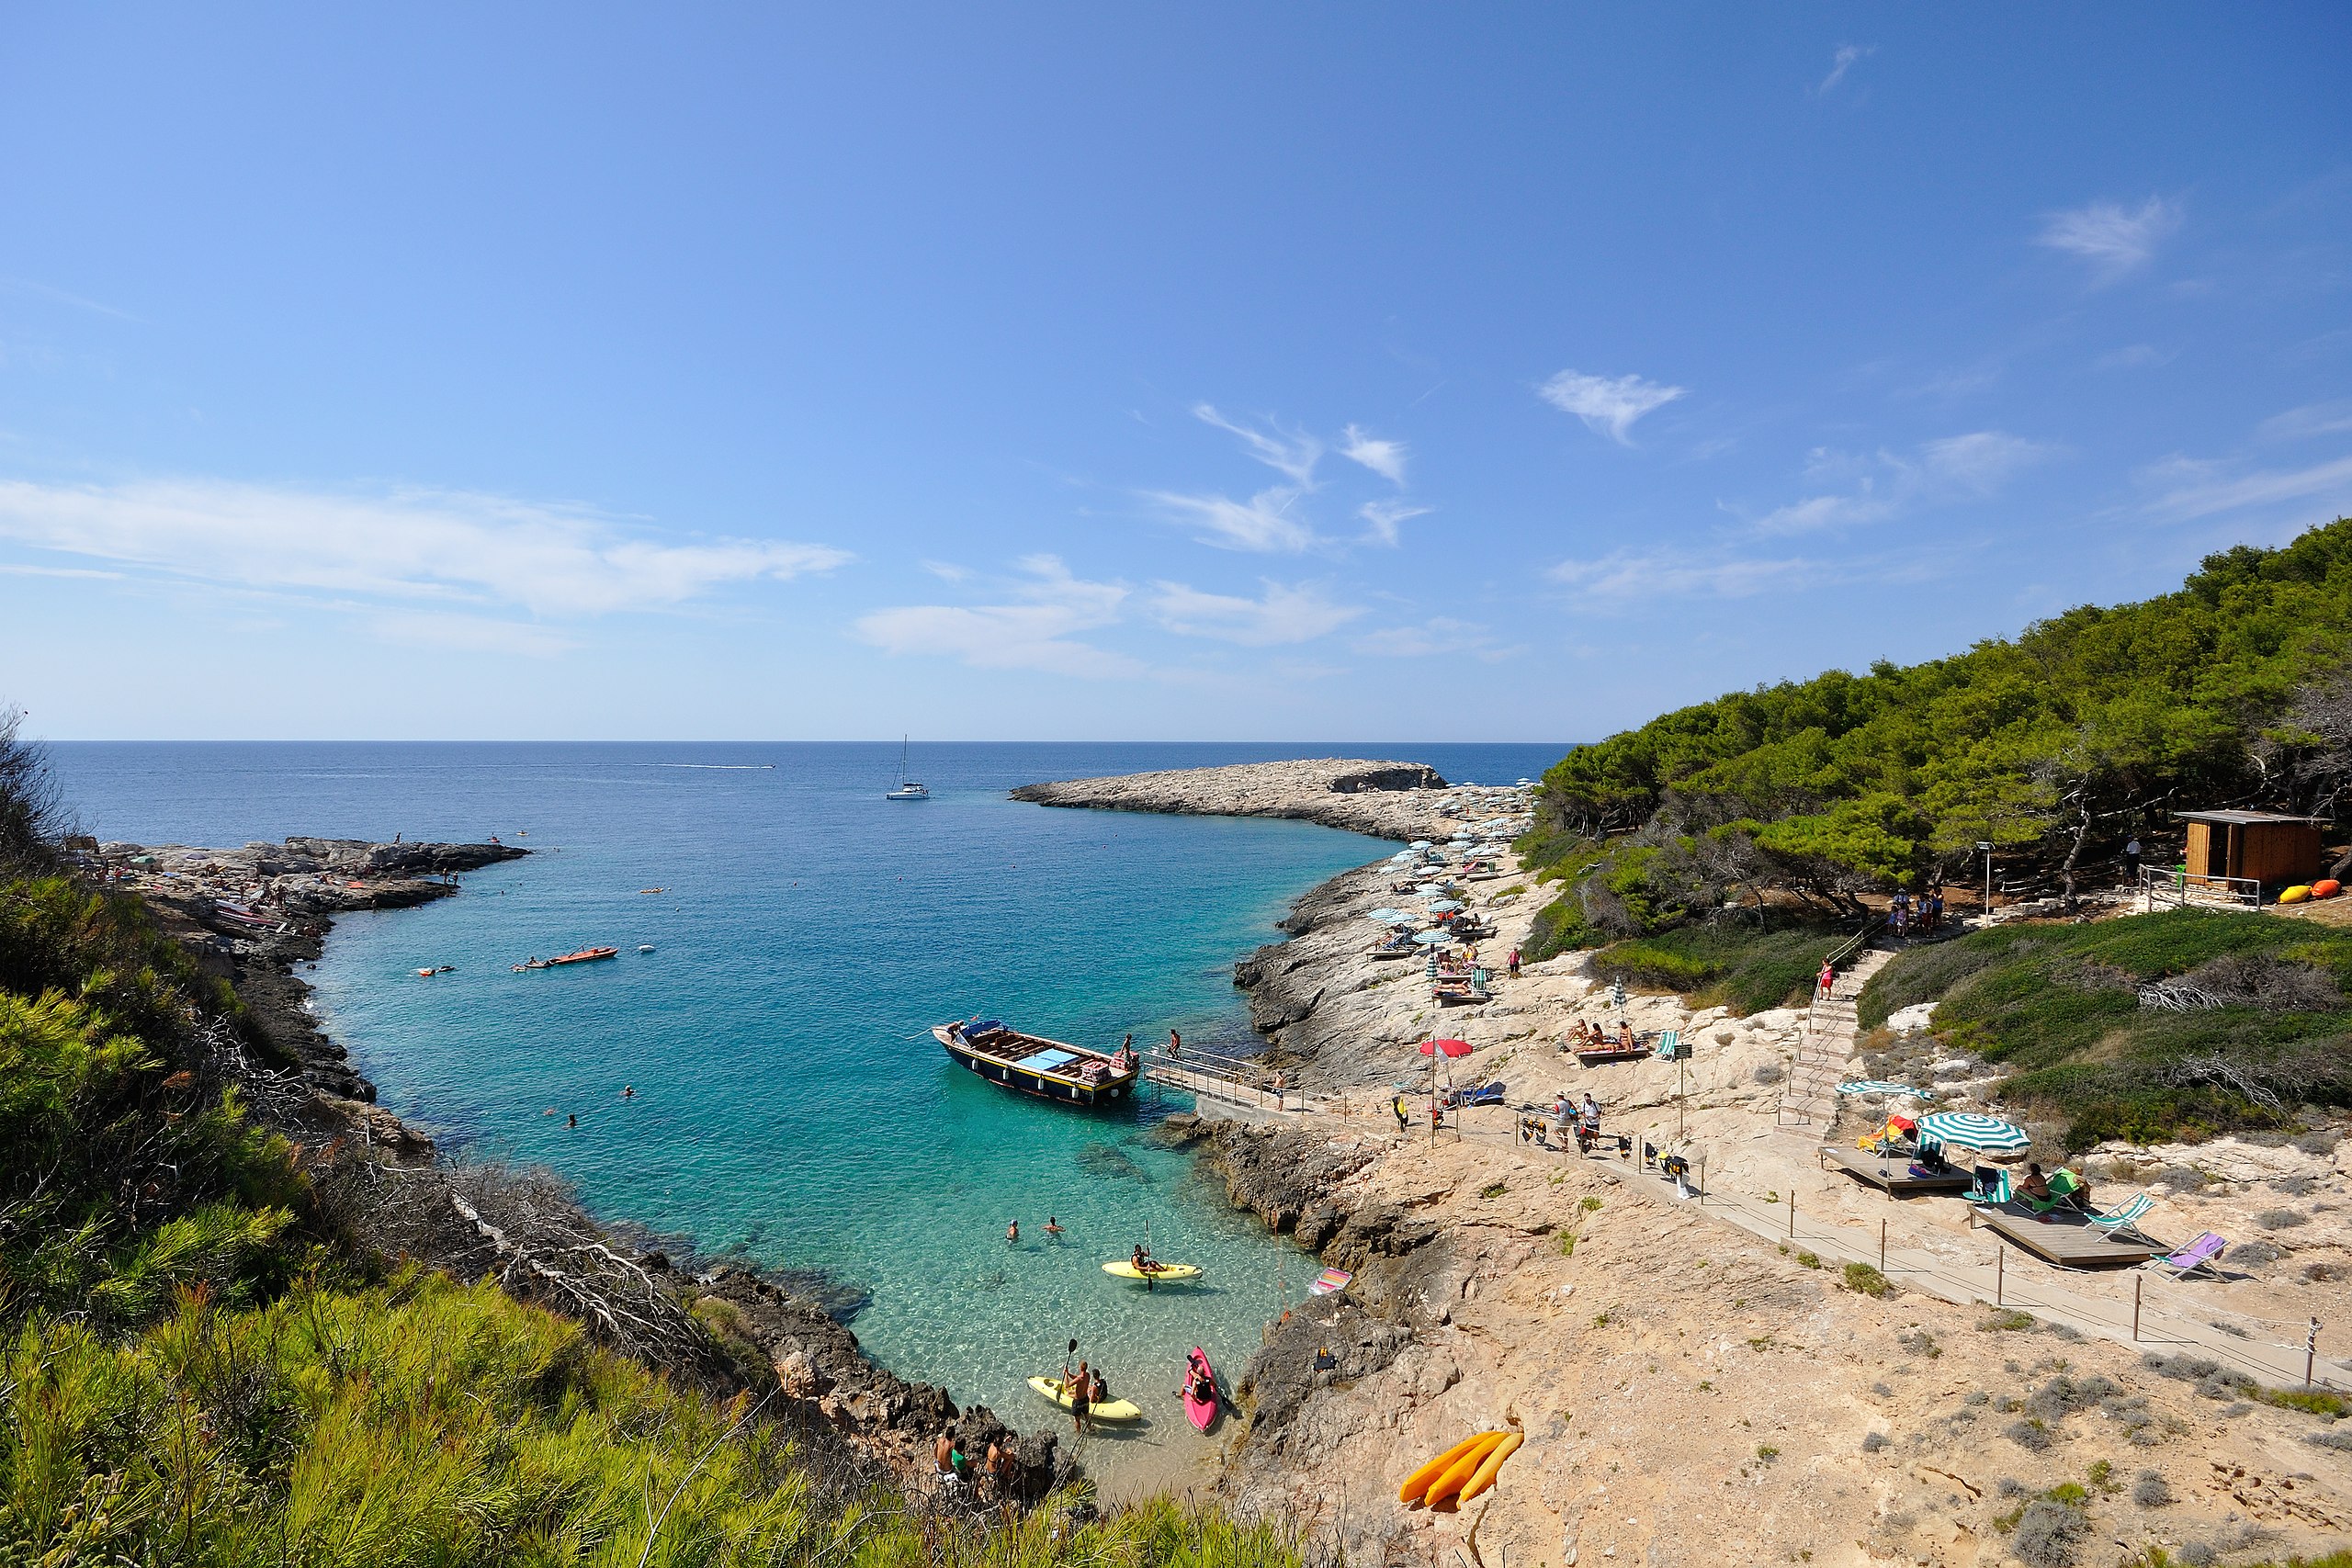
(1985, 848)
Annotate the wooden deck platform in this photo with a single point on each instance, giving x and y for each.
(1613, 1054)
(2065, 1241)
(1891, 1175)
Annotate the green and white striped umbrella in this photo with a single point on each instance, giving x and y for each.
(1874, 1085)
(1973, 1131)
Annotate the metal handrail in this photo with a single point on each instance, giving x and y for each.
(2173, 886)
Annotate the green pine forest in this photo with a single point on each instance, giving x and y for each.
(1721, 849)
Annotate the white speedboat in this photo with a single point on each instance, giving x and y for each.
(908, 789)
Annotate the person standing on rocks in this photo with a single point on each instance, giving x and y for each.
(1404, 1122)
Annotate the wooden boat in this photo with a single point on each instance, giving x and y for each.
(1109, 1410)
(1033, 1064)
(1201, 1412)
(586, 956)
(1159, 1274)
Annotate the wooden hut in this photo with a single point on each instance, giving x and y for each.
(2258, 846)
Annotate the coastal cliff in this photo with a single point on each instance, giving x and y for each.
(253, 915)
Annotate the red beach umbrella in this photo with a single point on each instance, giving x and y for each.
(1451, 1047)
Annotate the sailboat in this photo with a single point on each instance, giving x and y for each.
(908, 789)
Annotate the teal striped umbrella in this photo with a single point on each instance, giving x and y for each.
(1971, 1131)
(1880, 1086)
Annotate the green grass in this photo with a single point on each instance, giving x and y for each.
(2058, 1006)
(1863, 1279)
(1731, 964)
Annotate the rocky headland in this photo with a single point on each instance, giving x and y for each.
(1386, 800)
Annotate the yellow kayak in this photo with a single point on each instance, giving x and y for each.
(1160, 1273)
(1109, 1410)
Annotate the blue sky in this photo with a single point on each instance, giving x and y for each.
(1038, 372)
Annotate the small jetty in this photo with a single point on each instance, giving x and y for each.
(1031, 1063)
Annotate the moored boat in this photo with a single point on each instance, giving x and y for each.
(1033, 1064)
(586, 956)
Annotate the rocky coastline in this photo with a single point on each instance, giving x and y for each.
(1382, 799)
(255, 916)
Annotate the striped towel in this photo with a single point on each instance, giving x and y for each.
(1329, 1280)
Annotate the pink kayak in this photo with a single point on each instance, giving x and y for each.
(1197, 1370)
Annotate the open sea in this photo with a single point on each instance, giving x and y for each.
(791, 1106)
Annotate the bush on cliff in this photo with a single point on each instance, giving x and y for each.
(2247, 1020)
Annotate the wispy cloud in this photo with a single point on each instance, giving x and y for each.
(2133, 357)
(2312, 419)
(1886, 484)
(946, 571)
(13, 569)
(1385, 458)
(1438, 636)
(471, 634)
(1039, 631)
(409, 545)
(1383, 518)
(1847, 57)
(1608, 404)
(1282, 614)
(2111, 240)
(1628, 575)
(2192, 490)
(1269, 522)
(27, 285)
(1292, 453)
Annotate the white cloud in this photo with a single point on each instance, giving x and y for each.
(946, 571)
(1282, 615)
(1436, 637)
(1608, 404)
(1382, 518)
(2194, 493)
(1843, 62)
(1036, 634)
(18, 570)
(1384, 457)
(2111, 240)
(1887, 484)
(1267, 521)
(405, 545)
(1288, 452)
(1627, 575)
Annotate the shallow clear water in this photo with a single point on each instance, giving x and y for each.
(791, 1106)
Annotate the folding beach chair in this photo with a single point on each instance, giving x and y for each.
(2065, 1186)
(2202, 1256)
(2125, 1220)
(1992, 1189)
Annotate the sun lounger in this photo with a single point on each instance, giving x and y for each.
(2202, 1256)
(1992, 1189)
(2065, 1186)
(2125, 1220)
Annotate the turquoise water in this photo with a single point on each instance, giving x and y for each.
(791, 1106)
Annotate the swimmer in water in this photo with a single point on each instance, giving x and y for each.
(1053, 1225)
(1012, 1233)
(571, 1121)
(628, 1091)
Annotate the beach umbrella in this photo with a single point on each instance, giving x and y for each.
(1419, 844)
(1451, 1047)
(1874, 1085)
(1400, 857)
(1430, 939)
(1445, 906)
(1391, 917)
(1971, 1131)
(1428, 889)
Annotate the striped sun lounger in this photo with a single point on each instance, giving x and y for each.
(1330, 1279)
(2125, 1220)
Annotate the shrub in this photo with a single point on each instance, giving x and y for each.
(1808, 1260)
(2254, 1255)
(1919, 1342)
(2280, 1219)
(2050, 1534)
(2003, 1320)
(1873, 1441)
(1769, 1073)
(1863, 1279)
(2031, 1434)
(2151, 1490)
(2313, 1401)
(2318, 1141)
(2341, 1441)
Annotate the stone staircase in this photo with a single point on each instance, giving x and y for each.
(1831, 1032)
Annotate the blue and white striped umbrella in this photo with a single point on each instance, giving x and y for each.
(1393, 918)
(1971, 1131)
(1874, 1085)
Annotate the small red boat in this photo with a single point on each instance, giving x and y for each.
(1202, 1401)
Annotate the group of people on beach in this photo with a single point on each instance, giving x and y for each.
(1584, 1036)
(954, 1466)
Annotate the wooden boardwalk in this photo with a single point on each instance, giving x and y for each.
(2067, 1242)
(1891, 1174)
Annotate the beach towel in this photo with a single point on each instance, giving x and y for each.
(1330, 1279)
